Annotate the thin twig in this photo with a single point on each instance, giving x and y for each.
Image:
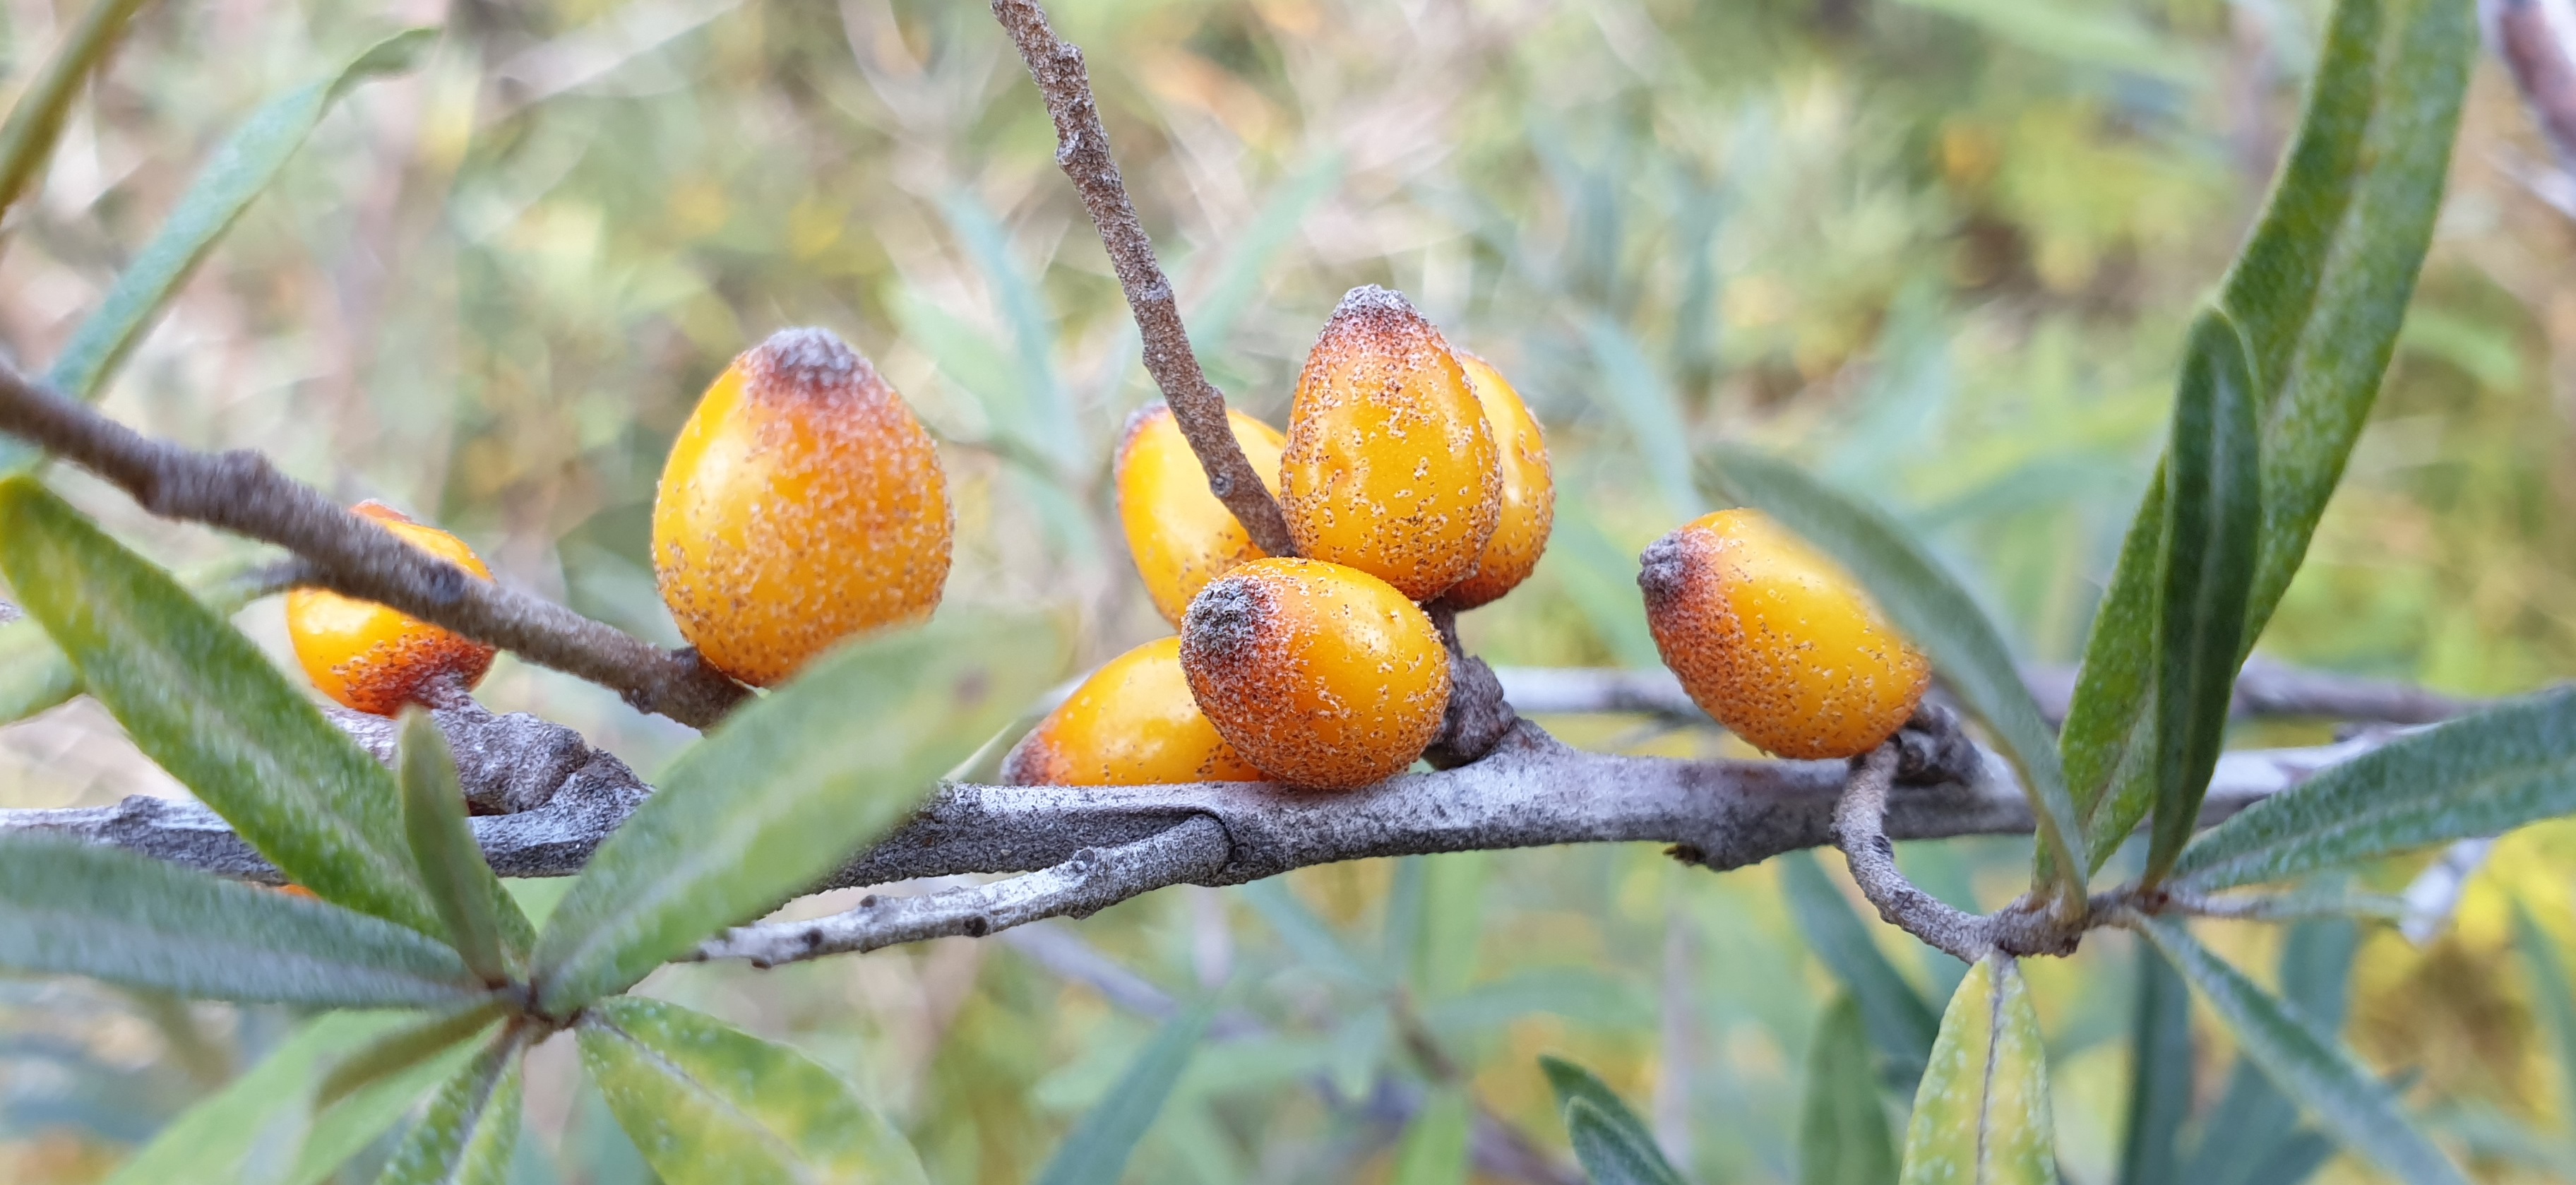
(1082, 151)
(1860, 831)
(240, 491)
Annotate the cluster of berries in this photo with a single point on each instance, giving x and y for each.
(803, 504)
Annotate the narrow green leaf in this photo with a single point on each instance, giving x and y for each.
(1043, 399)
(711, 1105)
(1981, 1116)
(207, 1143)
(1248, 254)
(471, 1128)
(1313, 940)
(74, 909)
(202, 701)
(243, 167)
(2318, 294)
(1613, 1145)
(483, 923)
(1842, 1130)
(1434, 1148)
(406, 1047)
(2482, 774)
(36, 120)
(34, 675)
(1645, 403)
(2253, 1136)
(2308, 1065)
(1895, 1016)
(1095, 1152)
(784, 790)
(1453, 902)
(2321, 289)
(2213, 520)
(1932, 611)
(2557, 1003)
(2159, 1076)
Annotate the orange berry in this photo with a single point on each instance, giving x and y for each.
(1390, 467)
(1322, 676)
(1529, 490)
(1775, 640)
(374, 659)
(802, 504)
(1180, 535)
(1132, 723)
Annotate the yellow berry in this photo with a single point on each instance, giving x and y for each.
(1322, 676)
(374, 659)
(1775, 641)
(802, 504)
(1529, 490)
(1390, 467)
(1179, 534)
(1132, 723)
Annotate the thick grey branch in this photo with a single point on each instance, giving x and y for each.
(241, 492)
(1082, 151)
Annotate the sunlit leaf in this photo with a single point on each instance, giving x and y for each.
(1981, 1115)
(2160, 1076)
(36, 119)
(77, 909)
(708, 1104)
(1896, 1017)
(242, 168)
(1095, 1152)
(1842, 1129)
(202, 701)
(2308, 1065)
(483, 923)
(1934, 612)
(2482, 774)
(784, 790)
(2213, 517)
(471, 1128)
(1613, 1145)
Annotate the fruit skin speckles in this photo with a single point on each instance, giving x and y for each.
(1529, 490)
(370, 658)
(1132, 723)
(1322, 676)
(1775, 641)
(802, 505)
(1390, 467)
(1180, 536)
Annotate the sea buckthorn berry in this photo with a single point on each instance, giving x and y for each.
(1775, 640)
(802, 504)
(1390, 467)
(1180, 535)
(1529, 490)
(1132, 723)
(374, 659)
(1322, 676)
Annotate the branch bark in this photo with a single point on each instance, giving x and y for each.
(1082, 151)
(241, 492)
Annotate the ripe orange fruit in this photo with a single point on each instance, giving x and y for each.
(1775, 641)
(374, 659)
(1390, 467)
(1529, 490)
(1179, 534)
(1132, 723)
(1322, 676)
(802, 504)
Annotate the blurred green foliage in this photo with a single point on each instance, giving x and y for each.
(1940, 250)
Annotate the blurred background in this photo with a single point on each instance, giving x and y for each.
(1942, 251)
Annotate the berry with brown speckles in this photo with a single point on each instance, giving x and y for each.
(1776, 641)
(1132, 723)
(802, 504)
(1322, 676)
(374, 659)
(1179, 534)
(1390, 466)
(1529, 490)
